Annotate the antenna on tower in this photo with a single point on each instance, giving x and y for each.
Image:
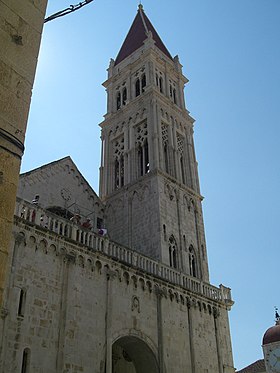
(277, 316)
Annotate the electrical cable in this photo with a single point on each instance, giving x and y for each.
(64, 12)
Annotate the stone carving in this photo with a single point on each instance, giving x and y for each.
(135, 304)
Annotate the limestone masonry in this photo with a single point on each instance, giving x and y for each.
(119, 283)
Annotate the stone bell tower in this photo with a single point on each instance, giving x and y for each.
(148, 174)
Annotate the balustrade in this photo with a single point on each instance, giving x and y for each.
(47, 220)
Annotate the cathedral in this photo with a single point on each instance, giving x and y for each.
(119, 283)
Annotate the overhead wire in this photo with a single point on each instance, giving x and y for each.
(70, 9)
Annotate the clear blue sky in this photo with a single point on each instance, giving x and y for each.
(231, 52)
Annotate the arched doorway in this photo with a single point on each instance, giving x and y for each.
(132, 355)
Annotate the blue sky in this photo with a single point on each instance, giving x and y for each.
(230, 51)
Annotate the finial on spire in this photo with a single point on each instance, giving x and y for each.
(140, 6)
(277, 316)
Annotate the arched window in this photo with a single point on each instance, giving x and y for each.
(173, 254)
(192, 262)
(25, 366)
(137, 87)
(118, 100)
(124, 96)
(143, 82)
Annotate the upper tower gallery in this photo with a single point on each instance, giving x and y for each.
(148, 173)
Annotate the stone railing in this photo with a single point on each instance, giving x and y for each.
(93, 241)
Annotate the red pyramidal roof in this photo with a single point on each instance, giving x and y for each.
(138, 34)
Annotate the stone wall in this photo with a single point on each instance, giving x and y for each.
(78, 301)
(21, 24)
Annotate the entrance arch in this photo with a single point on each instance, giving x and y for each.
(132, 355)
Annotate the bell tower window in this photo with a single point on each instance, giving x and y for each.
(192, 262)
(121, 96)
(180, 147)
(164, 133)
(142, 147)
(119, 163)
(143, 82)
(137, 87)
(173, 92)
(173, 255)
(118, 100)
(160, 85)
(140, 84)
(124, 96)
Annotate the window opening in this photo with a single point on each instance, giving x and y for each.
(140, 160)
(192, 262)
(121, 171)
(146, 156)
(160, 85)
(143, 82)
(117, 173)
(25, 361)
(173, 255)
(124, 96)
(174, 96)
(137, 87)
(21, 303)
(164, 232)
(118, 100)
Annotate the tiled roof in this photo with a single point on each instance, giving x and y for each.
(136, 36)
(257, 367)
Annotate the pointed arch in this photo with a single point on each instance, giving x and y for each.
(173, 252)
(192, 262)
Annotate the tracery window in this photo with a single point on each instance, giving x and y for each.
(119, 163)
(173, 254)
(165, 143)
(180, 147)
(142, 147)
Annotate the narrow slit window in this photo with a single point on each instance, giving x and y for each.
(21, 303)
(25, 366)
(160, 85)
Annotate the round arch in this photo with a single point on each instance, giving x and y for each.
(131, 354)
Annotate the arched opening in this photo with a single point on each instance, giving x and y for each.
(132, 355)
(173, 254)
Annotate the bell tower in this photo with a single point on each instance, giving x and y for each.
(148, 174)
